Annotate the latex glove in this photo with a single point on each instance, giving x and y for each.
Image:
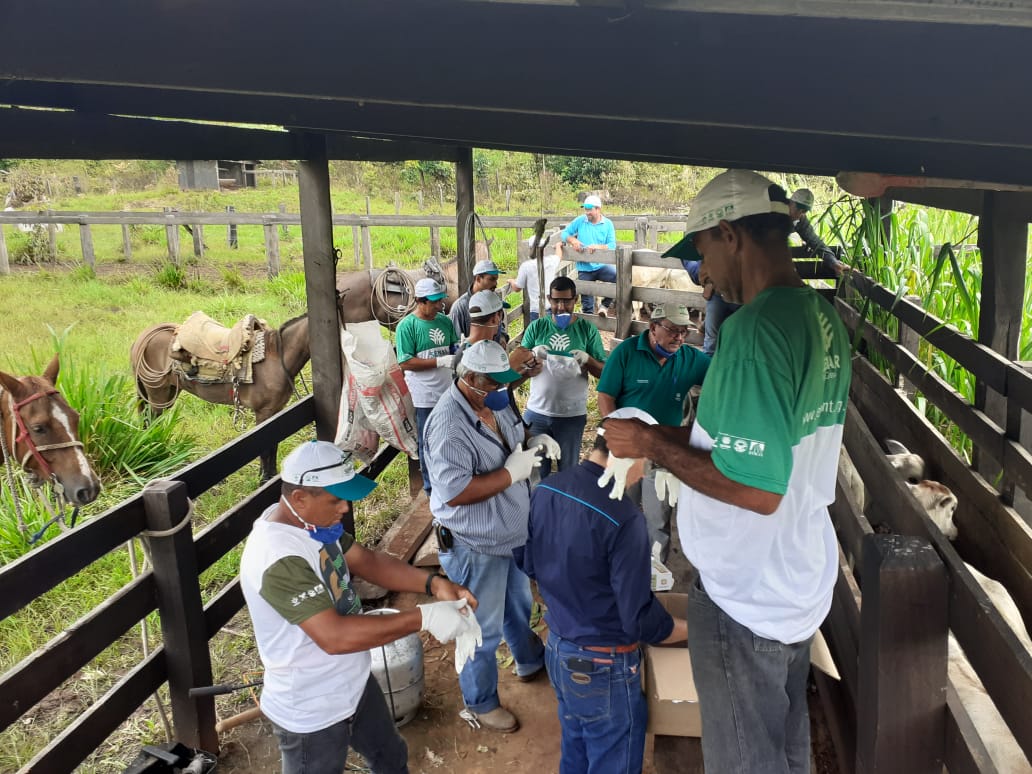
(668, 486)
(446, 361)
(580, 356)
(446, 620)
(563, 366)
(616, 471)
(547, 444)
(540, 352)
(521, 463)
(467, 642)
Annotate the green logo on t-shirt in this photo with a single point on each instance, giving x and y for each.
(740, 445)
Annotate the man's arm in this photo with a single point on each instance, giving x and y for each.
(816, 246)
(668, 446)
(418, 364)
(483, 487)
(606, 405)
(337, 634)
(395, 575)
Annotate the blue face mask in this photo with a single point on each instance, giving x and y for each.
(496, 400)
(562, 321)
(321, 534)
(660, 352)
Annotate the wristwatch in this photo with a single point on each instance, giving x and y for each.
(430, 581)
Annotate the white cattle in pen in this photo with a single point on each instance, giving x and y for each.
(655, 277)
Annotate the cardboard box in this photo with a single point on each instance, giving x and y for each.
(662, 578)
(669, 685)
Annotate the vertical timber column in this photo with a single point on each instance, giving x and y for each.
(320, 283)
(464, 206)
(1002, 239)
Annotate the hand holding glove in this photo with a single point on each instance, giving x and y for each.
(580, 356)
(540, 352)
(547, 444)
(616, 471)
(446, 620)
(668, 486)
(446, 361)
(467, 642)
(521, 463)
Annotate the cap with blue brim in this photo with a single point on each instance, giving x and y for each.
(430, 289)
(321, 464)
(731, 195)
(489, 358)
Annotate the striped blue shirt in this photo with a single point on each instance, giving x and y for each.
(459, 446)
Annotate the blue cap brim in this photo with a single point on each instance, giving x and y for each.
(436, 296)
(354, 489)
(684, 250)
(588, 206)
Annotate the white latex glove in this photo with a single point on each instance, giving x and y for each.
(540, 352)
(616, 471)
(467, 642)
(446, 620)
(668, 486)
(521, 463)
(580, 356)
(563, 366)
(446, 361)
(547, 444)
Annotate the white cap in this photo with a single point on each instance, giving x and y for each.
(485, 267)
(729, 196)
(627, 412)
(488, 357)
(484, 303)
(678, 314)
(321, 464)
(430, 289)
(803, 197)
(591, 202)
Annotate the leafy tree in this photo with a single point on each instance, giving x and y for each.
(581, 172)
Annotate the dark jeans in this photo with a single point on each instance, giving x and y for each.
(568, 432)
(717, 310)
(370, 731)
(421, 416)
(606, 274)
(602, 710)
(752, 693)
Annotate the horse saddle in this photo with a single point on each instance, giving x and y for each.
(203, 349)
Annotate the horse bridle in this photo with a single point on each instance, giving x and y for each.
(23, 435)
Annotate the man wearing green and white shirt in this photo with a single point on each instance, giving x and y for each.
(758, 473)
(426, 341)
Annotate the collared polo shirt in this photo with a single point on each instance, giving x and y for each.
(634, 377)
(588, 233)
(459, 446)
(590, 557)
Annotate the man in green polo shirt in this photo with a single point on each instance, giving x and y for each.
(654, 372)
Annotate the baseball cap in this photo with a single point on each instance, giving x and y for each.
(321, 464)
(591, 202)
(627, 412)
(484, 303)
(430, 289)
(803, 197)
(729, 196)
(676, 313)
(485, 267)
(488, 357)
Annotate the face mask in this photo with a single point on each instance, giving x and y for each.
(660, 352)
(562, 321)
(321, 534)
(495, 400)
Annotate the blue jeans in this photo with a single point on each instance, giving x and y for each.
(602, 710)
(504, 597)
(568, 432)
(421, 416)
(752, 693)
(717, 310)
(370, 731)
(606, 274)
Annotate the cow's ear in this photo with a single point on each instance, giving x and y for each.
(895, 447)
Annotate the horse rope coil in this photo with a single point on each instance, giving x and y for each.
(152, 377)
(379, 294)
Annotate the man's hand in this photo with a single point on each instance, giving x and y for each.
(547, 444)
(523, 362)
(447, 591)
(580, 356)
(446, 361)
(575, 244)
(540, 352)
(616, 471)
(521, 463)
(668, 486)
(624, 437)
(445, 620)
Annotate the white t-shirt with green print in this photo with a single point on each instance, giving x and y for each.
(771, 413)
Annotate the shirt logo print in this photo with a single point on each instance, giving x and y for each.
(299, 598)
(740, 445)
(437, 336)
(559, 342)
(832, 364)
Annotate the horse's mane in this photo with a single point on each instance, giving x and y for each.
(290, 322)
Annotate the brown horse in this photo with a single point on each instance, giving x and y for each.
(41, 433)
(286, 353)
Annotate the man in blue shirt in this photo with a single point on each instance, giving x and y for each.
(587, 233)
(590, 557)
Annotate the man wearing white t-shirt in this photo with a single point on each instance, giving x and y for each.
(296, 575)
(758, 470)
(527, 276)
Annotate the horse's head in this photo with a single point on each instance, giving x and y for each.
(42, 433)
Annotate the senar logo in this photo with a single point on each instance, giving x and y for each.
(437, 336)
(740, 445)
(559, 342)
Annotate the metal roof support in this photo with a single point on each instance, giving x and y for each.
(464, 209)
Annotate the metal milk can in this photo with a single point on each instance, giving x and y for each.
(398, 669)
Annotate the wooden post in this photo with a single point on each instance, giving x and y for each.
(641, 232)
(181, 610)
(76, 184)
(127, 242)
(508, 198)
(51, 235)
(367, 246)
(231, 229)
(419, 198)
(910, 340)
(435, 242)
(464, 209)
(5, 265)
(320, 283)
(283, 227)
(397, 203)
(172, 236)
(624, 284)
(86, 242)
(272, 249)
(197, 233)
(355, 244)
(367, 210)
(901, 702)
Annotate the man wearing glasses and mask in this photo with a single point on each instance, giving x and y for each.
(569, 348)
(296, 573)
(654, 372)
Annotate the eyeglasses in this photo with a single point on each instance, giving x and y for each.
(566, 303)
(677, 333)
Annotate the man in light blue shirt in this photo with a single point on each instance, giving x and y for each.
(587, 233)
